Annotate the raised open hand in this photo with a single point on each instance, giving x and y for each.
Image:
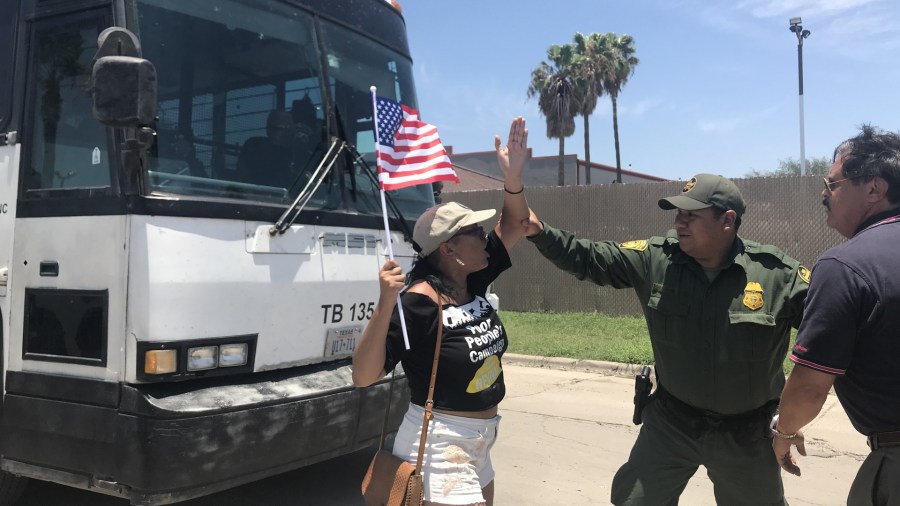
(512, 156)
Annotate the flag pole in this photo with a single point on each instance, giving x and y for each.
(387, 228)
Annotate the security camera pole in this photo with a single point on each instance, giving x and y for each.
(801, 34)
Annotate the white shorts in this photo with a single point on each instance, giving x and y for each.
(457, 460)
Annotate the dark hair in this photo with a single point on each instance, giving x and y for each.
(423, 268)
(719, 211)
(872, 153)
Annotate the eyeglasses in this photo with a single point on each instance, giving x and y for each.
(475, 232)
(831, 185)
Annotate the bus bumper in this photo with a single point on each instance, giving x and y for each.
(159, 444)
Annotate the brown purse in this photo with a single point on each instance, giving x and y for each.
(390, 480)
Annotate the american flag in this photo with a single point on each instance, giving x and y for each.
(409, 150)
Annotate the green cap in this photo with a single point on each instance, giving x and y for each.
(706, 190)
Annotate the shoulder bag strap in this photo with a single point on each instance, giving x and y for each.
(429, 402)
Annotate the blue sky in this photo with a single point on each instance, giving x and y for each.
(715, 90)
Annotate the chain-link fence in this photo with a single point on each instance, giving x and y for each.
(784, 211)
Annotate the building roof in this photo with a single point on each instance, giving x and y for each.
(479, 171)
(472, 180)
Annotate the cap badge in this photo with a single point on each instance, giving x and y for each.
(753, 296)
(689, 185)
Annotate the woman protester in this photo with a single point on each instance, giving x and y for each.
(456, 262)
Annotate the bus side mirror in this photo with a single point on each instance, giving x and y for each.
(124, 84)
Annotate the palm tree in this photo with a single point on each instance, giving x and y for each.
(592, 55)
(621, 67)
(558, 102)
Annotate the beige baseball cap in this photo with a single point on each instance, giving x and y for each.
(440, 223)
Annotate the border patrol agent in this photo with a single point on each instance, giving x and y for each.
(719, 311)
(849, 336)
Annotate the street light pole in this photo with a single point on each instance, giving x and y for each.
(801, 34)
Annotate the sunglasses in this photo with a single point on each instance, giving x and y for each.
(475, 232)
(831, 185)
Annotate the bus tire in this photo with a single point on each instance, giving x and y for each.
(11, 488)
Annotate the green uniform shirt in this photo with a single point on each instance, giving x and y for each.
(718, 345)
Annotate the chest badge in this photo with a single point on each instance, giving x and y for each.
(753, 296)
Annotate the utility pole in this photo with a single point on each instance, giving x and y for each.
(801, 34)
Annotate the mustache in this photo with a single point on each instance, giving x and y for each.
(827, 203)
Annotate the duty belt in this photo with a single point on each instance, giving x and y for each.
(703, 420)
(883, 440)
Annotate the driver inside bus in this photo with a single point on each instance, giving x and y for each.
(309, 127)
(176, 153)
(270, 160)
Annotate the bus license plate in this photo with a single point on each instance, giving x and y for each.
(340, 342)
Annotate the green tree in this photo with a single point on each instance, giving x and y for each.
(791, 167)
(558, 101)
(591, 59)
(621, 67)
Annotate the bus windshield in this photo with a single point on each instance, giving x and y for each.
(251, 95)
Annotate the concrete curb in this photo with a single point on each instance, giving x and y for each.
(573, 364)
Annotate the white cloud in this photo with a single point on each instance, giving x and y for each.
(640, 108)
(468, 112)
(732, 123)
(773, 8)
(861, 30)
(719, 126)
(869, 24)
(870, 34)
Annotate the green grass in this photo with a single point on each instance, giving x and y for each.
(590, 336)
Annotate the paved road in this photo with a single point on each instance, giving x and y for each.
(563, 436)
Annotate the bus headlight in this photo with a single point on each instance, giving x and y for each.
(165, 361)
(232, 355)
(202, 358)
(160, 361)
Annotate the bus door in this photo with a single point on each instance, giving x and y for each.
(69, 237)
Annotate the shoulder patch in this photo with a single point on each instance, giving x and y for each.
(804, 274)
(634, 245)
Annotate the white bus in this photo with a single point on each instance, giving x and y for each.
(180, 294)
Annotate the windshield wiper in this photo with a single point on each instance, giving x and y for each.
(293, 211)
(359, 160)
